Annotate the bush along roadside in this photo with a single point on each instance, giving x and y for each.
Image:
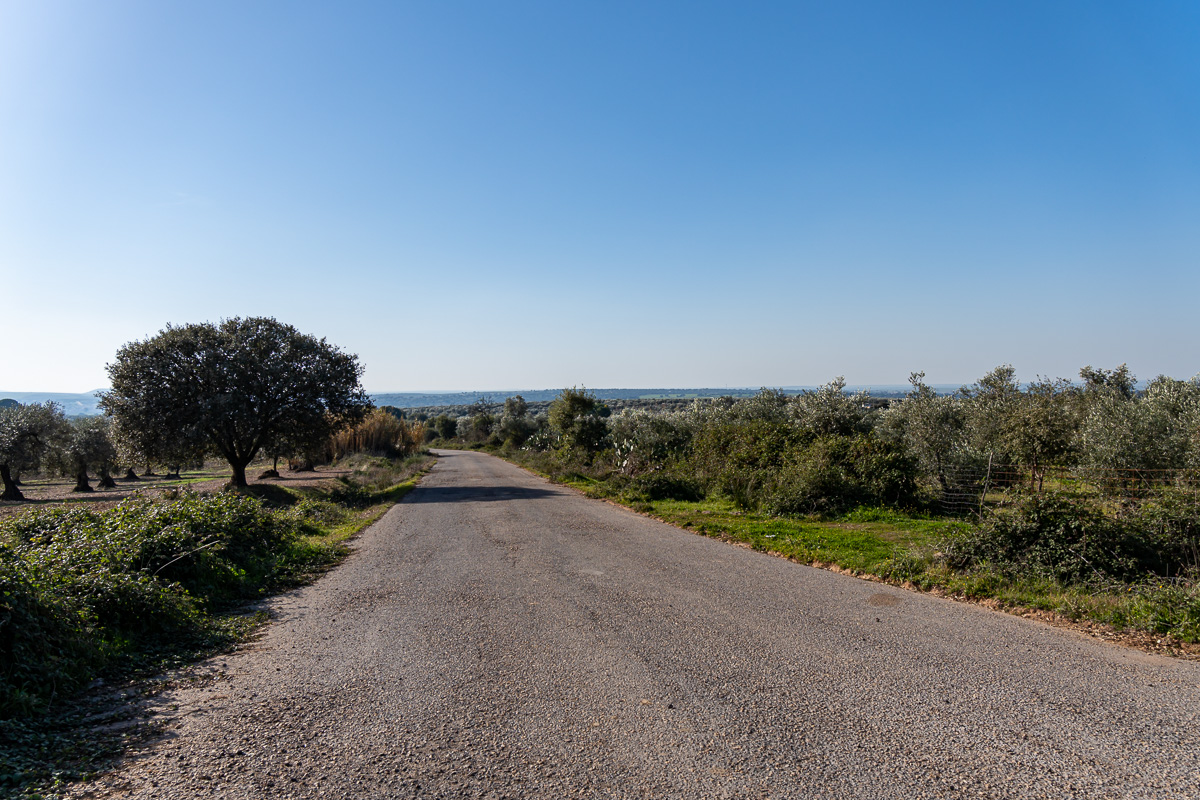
(111, 596)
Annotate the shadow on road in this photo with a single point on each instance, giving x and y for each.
(476, 494)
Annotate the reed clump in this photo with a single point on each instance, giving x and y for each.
(380, 434)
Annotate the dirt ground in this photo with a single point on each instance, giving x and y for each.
(40, 492)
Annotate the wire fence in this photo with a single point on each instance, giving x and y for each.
(971, 490)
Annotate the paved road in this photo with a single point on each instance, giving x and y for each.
(495, 636)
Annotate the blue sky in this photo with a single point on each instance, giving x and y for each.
(493, 195)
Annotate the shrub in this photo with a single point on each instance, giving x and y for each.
(41, 650)
(739, 458)
(664, 485)
(215, 549)
(837, 473)
(1170, 519)
(1054, 536)
(82, 589)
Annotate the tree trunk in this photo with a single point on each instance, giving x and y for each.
(11, 492)
(81, 481)
(173, 472)
(149, 473)
(106, 480)
(238, 480)
(130, 475)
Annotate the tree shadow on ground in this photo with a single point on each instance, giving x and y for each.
(477, 494)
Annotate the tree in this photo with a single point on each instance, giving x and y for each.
(446, 426)
(990, 401)
(1119, 382)
(141, 440)
(932, 426)
(87, 446)
(237, 387)
(26, 432)
(515, 426)
(1040, 426)
(829, 411)
(1157, 431)
(577, 417)
(515, 406)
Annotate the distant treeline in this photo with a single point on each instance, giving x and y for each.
(441, 401)
(452, 402)
(85, 404)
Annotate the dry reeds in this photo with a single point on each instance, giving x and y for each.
(379, 434)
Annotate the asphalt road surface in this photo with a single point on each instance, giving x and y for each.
(495, 636)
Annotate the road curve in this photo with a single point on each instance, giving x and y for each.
(495, 636)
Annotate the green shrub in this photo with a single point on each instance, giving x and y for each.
(41, 650)
(1058, 537)
(1171, 520)
(782, 470)
(80, 587)
(578, 418)
(218, 549)
(737, 459)
(664, 485)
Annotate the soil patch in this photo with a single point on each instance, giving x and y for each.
(40, 492)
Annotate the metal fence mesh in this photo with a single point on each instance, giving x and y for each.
(968, 491)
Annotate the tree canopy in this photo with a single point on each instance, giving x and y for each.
(26, 433)
(235, 388)
(87, 444)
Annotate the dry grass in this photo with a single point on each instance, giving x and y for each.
(379, 434)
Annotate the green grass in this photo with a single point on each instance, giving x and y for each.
(865, 541)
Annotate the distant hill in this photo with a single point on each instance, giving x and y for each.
(436, 399)
(73, 405)
(82, 405)
(428, 399)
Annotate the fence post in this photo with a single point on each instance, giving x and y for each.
(987, 479)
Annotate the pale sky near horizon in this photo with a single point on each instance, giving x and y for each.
(481, 195)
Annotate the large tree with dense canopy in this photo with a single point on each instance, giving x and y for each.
(237, 388)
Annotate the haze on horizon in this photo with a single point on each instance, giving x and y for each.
(613, 195)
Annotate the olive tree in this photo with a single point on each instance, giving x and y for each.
(236, 388)
(577, 417)
(932, 426)
(990, 401)
(87, 445)
(26, 433)
(1040, 426)
(140, 440)
(1157, 431)
(1119, 381)
(830, 411)
(515, 425)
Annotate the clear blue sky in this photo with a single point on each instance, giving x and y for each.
(490, 195)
